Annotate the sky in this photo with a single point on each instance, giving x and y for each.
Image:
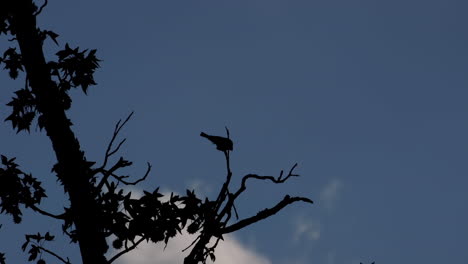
(368, 97)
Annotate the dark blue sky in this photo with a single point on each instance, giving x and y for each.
(370, 97)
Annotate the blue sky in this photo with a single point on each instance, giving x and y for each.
(369, 97)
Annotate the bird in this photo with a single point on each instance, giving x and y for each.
(222, 143)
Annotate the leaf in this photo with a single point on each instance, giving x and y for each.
(33, 253)
(48, 237)
(25, 245)
(53, 36)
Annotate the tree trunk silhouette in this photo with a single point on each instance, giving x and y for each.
(71, 166)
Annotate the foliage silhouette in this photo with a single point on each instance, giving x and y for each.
(99, 206)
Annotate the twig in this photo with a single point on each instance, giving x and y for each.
(191, 244)
(40, 9)
(234, 207)
(121, 163)
(37, 209)
(126, 250)
(243, 187)
(118, 147)
(54, 254)
(224, 190)
(121, 178)
(279, 179)
(117, 129)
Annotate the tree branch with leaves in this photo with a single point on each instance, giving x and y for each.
(100, 209)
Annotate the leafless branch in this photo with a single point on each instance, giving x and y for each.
(235, 210)
(37, 209)
(117, 148)
(230, 203)
(224, 190)
(226, 201)
(121, 178)
(279, 179)
(191, 244)
(121, 163)
(40, 9)
(109, 150)
(54, 254)
(264, 214)
(126, 250)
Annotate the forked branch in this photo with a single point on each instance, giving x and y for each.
(110, 150)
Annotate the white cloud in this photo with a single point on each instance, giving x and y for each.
(306, 229)
(330, 193)
(229, 251)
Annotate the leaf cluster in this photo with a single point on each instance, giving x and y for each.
(74, 68)
(17, 188)
(147, 217)
(35, 243)
(23, 109)
(12, 61)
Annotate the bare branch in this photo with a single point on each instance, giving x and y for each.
(191, 244)
(109, 150)
(54, 254)
(121, 178)
(235, 210)
(126, 250)
(269, 178)
(121, 163)
(224, 190)
(243, 187)
(37, 209)
(117, 148)
(40, 9)
(264, 214)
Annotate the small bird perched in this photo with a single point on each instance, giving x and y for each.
(222, 143)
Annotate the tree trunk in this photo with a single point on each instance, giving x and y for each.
(72, 168)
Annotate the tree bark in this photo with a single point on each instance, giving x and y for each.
(72, 167)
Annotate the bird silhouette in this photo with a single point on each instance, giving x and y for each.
(222, 143)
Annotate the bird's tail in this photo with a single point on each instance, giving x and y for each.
(202, 134)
